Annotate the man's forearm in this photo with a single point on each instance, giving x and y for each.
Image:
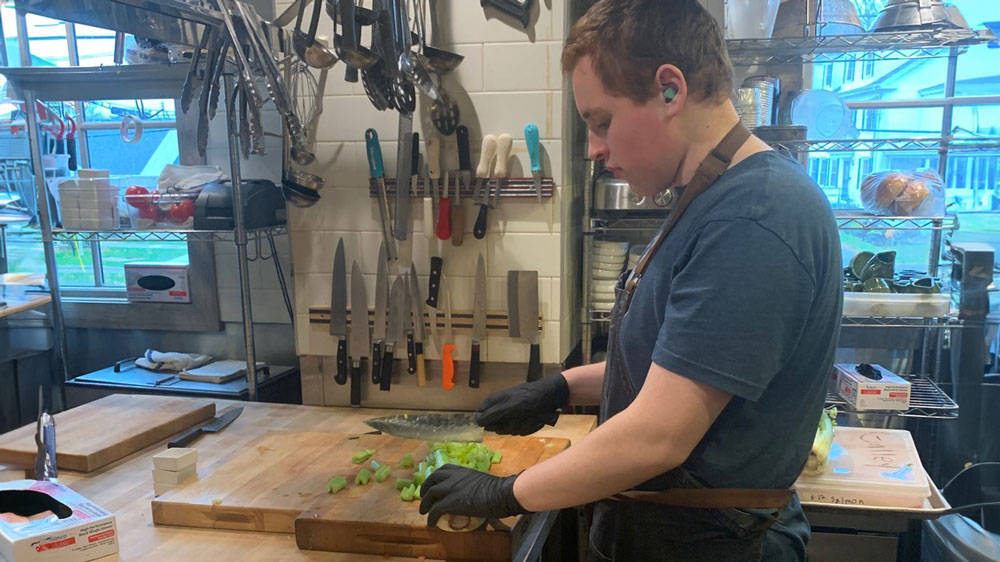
(585, 384)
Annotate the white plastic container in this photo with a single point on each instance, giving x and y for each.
(88, 203)
(896, 304)
(874, 467)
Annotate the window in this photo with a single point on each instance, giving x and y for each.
(867, 67)
(849, 71)
(828, 75)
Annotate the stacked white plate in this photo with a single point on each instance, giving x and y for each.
(608, 261)
(634, 253)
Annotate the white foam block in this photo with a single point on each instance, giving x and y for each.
(175, 458)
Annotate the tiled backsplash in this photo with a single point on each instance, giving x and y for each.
(509, 78)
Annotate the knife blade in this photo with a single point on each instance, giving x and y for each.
(360, 344)
(478, 321)
(447, 346)
(513, 326)
(216, 425)
(419, 333)
(433, 292)
(464, 179)
(527, 310)
(534, 154)
(439, 194)
(459, 427)
(381, 303)
(403, 173)
(398, 312)
(338, 311)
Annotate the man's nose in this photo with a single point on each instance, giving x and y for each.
(597, 150)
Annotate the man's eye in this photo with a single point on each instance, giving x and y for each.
(603, 126)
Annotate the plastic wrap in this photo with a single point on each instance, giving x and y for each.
(903, 194)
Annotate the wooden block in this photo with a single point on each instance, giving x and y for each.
(173, 477)
(175, 459)
(160, 488)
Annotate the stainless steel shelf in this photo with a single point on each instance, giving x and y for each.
(613, 223)
(162, 235)
(848, 220)
(840, 48)
(85, 83)
(927, 400)
(900, 322)
(879, 145)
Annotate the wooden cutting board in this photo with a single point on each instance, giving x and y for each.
(278, 484)
(100, 432)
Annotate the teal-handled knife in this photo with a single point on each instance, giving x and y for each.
(377, 171)
(531, 139)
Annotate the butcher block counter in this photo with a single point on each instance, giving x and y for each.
(125, 487)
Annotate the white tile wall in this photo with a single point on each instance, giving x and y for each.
(509, 78)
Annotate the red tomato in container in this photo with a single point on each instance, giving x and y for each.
(182, 211)
(149, 211)
(137, 196)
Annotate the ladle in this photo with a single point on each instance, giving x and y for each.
(312, 52)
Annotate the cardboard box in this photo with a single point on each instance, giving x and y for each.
(79, 531)
(157, 282)
(891, 392)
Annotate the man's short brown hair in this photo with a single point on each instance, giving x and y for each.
(629, 39)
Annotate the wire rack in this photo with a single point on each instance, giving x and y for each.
(881, 145)
(862, 221)
(927, 400)
(901, 322)
(163, 235)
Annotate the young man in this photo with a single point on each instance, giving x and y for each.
(718, 360)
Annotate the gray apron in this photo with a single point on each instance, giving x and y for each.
(649, 524)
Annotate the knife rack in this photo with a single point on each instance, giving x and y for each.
(461, 320)
(512, 187)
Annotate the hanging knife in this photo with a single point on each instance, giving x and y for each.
(404, 164)
(482, 194)
(534, 154)
(418, 326)
(338, 311)
(411, 353)
(447, 347)
(464, 180)
(441, 201)
(360, 344)
(377, 170)
(398, 312)
(433, 291)
(381, 302)
(478, 321)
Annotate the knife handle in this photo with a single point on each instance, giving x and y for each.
(434, 284)
(534, 364)
(444, 219)
(457, 225)
(415, 160)
(479, 231)
(474, 366)
(356, 383)
(376, 362)
(341, 376)
(374, 154)
(428, 218)
(386, 376)
(186, 439)
(411, 354)
(464, 157)
(531, 139)
(447, 366)
(418, 348)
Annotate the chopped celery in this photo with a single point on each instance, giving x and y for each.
(362, 456)
(407, 461)
(406, 494)
(403, 482)
(497, 456)
(363, 477)
(375, 465)
(336, 484)
(382, 473)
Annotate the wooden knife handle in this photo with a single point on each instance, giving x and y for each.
(187, 438)
(356, 383)
(411, 354)
(479, 230)
(474, 366)
(447, 366)
(386, 376)
(428, 218)
(376, 362)
(534, 364)
(341, 376)
(457, 225)
(444, 219)
(421, 372)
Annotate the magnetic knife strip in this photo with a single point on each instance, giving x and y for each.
(461, 320)
(513, 187)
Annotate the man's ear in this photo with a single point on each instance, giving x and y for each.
(670, 82)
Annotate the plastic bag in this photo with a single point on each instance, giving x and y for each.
(903, 194)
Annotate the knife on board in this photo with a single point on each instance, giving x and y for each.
(438, 428)
(381, 305)
(478, 321)
(419, 333)
(338, 312)
(398, 313)
(360, 344)
(214, 426)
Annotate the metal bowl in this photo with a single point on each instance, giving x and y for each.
(900, 15)
(613, 195)
(836, 17)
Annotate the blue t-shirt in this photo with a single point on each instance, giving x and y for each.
(745, 295)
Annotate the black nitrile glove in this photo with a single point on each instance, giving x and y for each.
(457, 490)
(524, 409)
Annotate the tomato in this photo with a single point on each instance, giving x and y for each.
(137, 196)
(149, 211)
(182, 211)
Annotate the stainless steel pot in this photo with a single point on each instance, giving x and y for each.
(914, 14)
(614, 195)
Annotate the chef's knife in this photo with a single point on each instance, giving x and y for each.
(447, 346)
(433, 292)
(360, 344)
(411, 353)
(374, 150)
(464, 179)
(478, 321)
(482, 193)
(212, 427)
(527, 310)
(419, 333)
(403, 173)
(513, 326)
(438, 428)
(398, 313)
(381, 303)
(534, 154)
(338, 311)
(439, 192)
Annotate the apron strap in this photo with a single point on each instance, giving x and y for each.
(712, 498)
